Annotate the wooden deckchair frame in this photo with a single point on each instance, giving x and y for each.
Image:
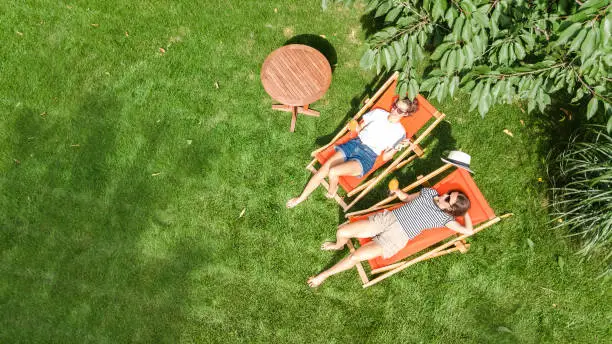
(456, 243)
(404, 158)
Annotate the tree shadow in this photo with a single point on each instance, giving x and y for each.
(84, 214)
(319, 43)
(357, 102)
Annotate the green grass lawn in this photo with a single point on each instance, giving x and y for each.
(124, 172)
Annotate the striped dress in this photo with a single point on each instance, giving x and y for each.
(421, 213)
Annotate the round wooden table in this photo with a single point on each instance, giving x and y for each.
(296, 75)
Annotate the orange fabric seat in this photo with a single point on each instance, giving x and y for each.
(412, 124)
(479, 211)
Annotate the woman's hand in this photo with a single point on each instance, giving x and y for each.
(388, 154)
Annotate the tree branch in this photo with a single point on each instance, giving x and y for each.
(593, 93)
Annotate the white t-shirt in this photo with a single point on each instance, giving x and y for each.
(378, 133)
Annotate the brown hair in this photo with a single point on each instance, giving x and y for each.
(411, 106)
(461, 205)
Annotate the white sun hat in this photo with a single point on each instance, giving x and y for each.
(459, 159)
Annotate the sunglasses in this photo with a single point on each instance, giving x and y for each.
(398, 110)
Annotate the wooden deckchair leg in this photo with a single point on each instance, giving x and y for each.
(359, 267)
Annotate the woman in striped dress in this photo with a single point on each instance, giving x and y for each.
(391, 230)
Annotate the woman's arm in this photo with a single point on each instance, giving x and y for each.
(466, 229)
(405, 197)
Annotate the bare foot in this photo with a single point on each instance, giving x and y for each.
(330, 246)
(330, 195)
(315, 281)
(293, 202)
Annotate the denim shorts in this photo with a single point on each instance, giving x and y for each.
(356, 150)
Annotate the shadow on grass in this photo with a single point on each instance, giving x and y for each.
(319, 43)
(86, 222)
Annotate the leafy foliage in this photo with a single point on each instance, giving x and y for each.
(582, 192)
(499, 51)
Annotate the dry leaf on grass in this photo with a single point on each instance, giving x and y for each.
(155, 174)
(216, 85)
(126, 34)
(75, 145)
(242, 213)
(322, 36)
(17, 162)
(522, 122)
(276, 10)
(95, 25)
(19, 33)
(162, 50)
(508, 132)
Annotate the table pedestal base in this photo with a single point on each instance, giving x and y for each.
(294, 111)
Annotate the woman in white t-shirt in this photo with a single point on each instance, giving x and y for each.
(380, 133)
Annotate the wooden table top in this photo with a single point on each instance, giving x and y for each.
(296, 75)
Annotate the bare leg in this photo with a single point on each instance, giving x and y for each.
(365, 252)
(359, 229)
(335, 159)
(349, 168)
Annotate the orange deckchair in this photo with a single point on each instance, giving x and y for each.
(439, 241)
(382, 99)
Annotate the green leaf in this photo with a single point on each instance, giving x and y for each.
(437, 11)
(485, 100)
(481, 19)
(440, 49)
(372, 4)
(579, 94)
(413, 89)
(460, 59)
(444, 60)
(378, 62)
(458, 27)
(399, 48)
(578, 40)
(592, 108)
(394, 13)
(450, 16)
(609, 126)
(367, 60)
(502, 57)
(468, 6)
(442, 91)
(451, 62)
(382, 9)
(528, 40)
(403, 89)
(519, 50)
(606, 29)
(587, 47)
(497, 88)
(592, 3)
(452, 86)
(428, 84)
(466, 32)
(469, 55)
(389, 57)
(475, 96)
(568, 33)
